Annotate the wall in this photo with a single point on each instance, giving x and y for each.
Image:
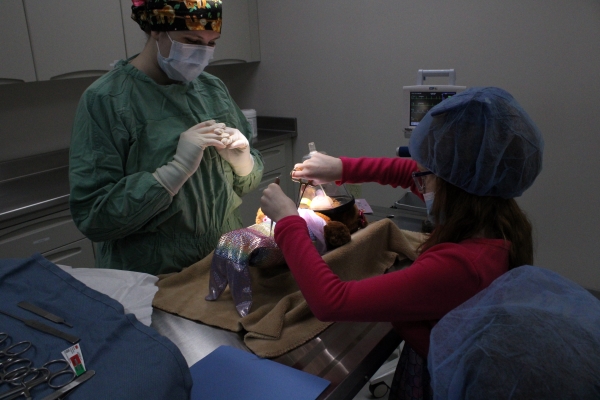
(339, 67)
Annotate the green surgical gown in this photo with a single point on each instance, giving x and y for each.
(126, 126)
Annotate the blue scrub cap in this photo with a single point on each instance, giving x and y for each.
(532, 334)
(482, 141)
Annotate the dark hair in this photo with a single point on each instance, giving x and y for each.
(464, 216)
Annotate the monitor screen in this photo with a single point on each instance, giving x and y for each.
(422, 102)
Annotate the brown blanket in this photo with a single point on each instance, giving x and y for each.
(280, 320)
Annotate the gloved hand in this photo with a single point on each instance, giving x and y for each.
(319, 168)
(236, 151)
(189, 152)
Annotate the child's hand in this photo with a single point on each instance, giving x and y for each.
(319, 168)
(275, 204)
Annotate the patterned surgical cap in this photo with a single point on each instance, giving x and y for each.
(189, 15)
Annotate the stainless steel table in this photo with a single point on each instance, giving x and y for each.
(347, 353)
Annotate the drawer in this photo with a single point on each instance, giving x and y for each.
(274, 158)
(251, 201)
(39, 236)
(79, 254)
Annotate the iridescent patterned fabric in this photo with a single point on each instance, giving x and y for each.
(235, 253)
(168, 15)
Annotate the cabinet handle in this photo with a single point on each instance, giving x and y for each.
(62, 255)
(227, 61)
(271, 153)
(80, 74)
(9, 80)
(34, 228)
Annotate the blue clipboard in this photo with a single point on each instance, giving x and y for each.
(230, 373)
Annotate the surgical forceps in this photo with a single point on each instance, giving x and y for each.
(53, 376)
(20, 373)
(11, 365)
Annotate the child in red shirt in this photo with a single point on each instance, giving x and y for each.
(472, 154)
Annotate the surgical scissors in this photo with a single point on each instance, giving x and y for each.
(20, 373)
(11, 366)
(48, 374)
(11, 351)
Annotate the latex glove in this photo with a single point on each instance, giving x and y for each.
(319, 168)
(188, 155)
(236, 151)
(275, 204)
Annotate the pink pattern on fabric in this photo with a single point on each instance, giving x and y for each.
(138, 2)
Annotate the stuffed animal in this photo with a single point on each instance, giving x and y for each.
(254, 246)
(333, 226)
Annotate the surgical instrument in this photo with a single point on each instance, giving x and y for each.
(70, 386)
(44, 328)
(38, 376)
(11, 365)
(43, 313)
(271, 228)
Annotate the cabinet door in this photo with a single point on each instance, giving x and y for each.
(239, 40)
(17, 62)
(273, 157)
(251, 201)
(278, 163)
(39, 236)
(79, 254)
(74, 38)
(280, 158)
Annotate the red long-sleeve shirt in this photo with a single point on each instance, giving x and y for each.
(414, 298)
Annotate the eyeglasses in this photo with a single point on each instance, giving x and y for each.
(419, 178)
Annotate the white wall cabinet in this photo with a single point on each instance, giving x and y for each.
(15, 50)
(74, 38)
(60, 39)
(239, 41)
(135, 37)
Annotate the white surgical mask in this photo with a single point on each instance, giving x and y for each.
(428, 197)
(186, 61)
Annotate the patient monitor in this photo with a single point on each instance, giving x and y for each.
(418, 100)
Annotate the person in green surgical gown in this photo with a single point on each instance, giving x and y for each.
(159, 157)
